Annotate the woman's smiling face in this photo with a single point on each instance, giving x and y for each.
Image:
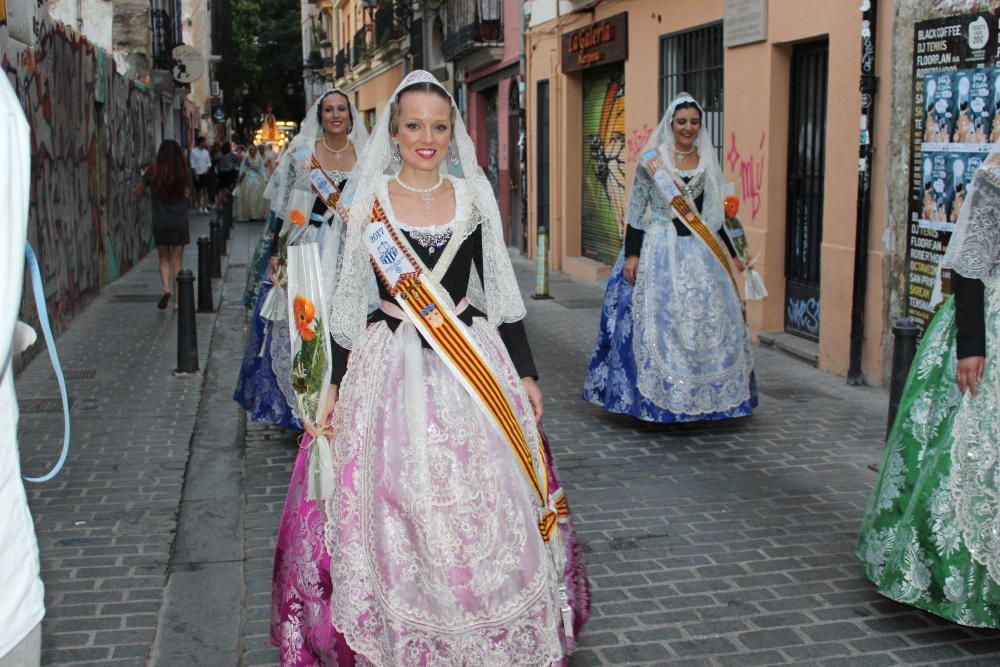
(336, 114)
(424, 130)
(686, 125)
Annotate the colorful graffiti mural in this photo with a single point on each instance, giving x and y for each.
(604, 154)
(84, 221)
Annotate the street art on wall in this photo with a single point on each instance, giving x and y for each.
(84, 222)
(604, 154)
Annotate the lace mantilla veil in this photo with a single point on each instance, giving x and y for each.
(974, 248)
(294, 165)
(662, 139)
(356, 293)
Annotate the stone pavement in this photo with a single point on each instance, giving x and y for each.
(106, 524)
(707, 544)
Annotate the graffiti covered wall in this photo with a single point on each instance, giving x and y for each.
(604, 154)
(91, 130)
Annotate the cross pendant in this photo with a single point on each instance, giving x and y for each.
(427, 200)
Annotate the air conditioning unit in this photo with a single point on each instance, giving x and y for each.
(216, 89)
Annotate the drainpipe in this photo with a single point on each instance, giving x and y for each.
(869, 12)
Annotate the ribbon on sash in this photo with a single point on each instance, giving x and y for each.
(651, 162)
(325, 189)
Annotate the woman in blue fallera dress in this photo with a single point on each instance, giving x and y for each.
(333, 135)
(673, 345)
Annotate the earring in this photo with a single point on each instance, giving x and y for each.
(396, 156)
(453, 154)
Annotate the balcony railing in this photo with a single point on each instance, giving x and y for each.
(472, 24)
(359, 47)
(163, 40)
(340, 63)
(383, 25)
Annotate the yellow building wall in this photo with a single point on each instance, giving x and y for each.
(755, 149)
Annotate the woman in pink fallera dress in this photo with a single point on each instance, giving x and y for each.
(428, 551)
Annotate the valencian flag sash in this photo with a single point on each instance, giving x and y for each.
(652, 163)
(422, 300)
(325, 189)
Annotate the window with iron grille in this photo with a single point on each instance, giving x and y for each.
(691, 62)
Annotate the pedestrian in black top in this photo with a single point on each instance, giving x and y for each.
(227, 167)
(168, 180)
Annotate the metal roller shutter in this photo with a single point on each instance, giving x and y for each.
(603, 187)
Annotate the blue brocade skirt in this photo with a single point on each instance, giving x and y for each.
(612, 378)
(264, 384)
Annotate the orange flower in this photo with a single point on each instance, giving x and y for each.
(296, 217)
(304, 310)
(732, 206)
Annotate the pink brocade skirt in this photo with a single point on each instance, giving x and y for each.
(302, 618)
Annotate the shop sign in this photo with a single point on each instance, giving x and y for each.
(188, 64)
(746, 22)
(956, 122)
(219, 113)
(600, 43)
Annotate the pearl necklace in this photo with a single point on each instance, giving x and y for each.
(426, 192)
(336, 153)
(684, 154)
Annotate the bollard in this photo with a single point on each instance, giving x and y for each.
(906, 334)
(542, 266)
(215, 234)
(205, 304)
(227, 216)
(223, 232)
(187, 336)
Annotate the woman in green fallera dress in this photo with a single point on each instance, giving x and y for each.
(930, 537)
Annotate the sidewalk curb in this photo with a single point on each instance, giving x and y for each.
(201, 617)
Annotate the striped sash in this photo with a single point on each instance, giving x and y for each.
(325, 189)
(652, 163)
(421, 300)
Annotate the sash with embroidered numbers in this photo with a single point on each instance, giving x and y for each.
(651, 162)
(325, 189)
(426, 308)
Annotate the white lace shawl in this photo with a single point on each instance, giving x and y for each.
(644, 192)
(356, 293)
(974, 248)
(295, 163)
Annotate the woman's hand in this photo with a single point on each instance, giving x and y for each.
(631, 268)
(970, 374)
(534, 396)
(272, 267)
(332, 394)
(740, 266)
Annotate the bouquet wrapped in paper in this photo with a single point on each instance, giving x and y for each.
(275, 306)
(753, 284)
(311, 360)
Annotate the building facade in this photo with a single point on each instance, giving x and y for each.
(780, 86)
(364, 47)
(482, 41)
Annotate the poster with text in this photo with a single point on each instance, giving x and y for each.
(956, 97)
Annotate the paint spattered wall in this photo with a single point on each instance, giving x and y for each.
(91, 130)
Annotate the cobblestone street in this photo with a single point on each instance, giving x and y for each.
(707, 544)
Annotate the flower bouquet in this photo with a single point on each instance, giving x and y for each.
(293, 227)
(753, 284)
(311, 365)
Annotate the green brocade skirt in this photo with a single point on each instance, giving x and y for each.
(912, 543)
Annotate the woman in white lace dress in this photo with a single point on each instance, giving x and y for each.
(673, 345)
(433, 531)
